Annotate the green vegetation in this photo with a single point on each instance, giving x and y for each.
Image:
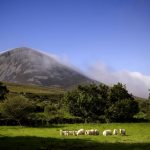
(47, 106)
(3, 91)
(86, 103)
(102, 103)
(16, 108)
(21, 88)
(53, 108)
(27, 138)
(144, 106)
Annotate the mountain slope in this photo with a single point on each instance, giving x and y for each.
(28, 66)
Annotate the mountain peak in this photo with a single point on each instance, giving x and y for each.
(23, 49)
(18, 50)
(26, 65)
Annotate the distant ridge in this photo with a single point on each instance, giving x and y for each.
(28, 66)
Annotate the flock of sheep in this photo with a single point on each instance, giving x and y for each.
(92, 132)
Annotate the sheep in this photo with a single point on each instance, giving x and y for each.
(122, 131)
(70, 132)
(89, 132)
(107, 132)
(81, 132)
(115, 132)
(63, 132)
(96, 132)
(75, 133)
(67, 133)
(92, 132)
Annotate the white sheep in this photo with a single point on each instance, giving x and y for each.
(81, 132)
(115, 132)
(63, 132)
(92, 132)
(89, 132)
(107, 132)
(122, 131)
(96, 132)
(75, 133)
(71, 133)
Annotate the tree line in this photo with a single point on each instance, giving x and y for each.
(86, 103)
(110, 104)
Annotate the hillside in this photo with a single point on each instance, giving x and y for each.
(35, 93)
(21, 88)
(28, 66)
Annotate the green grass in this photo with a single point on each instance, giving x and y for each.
(29, 138)
(18, 88)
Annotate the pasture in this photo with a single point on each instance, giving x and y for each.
(48, 138)
(22, 88)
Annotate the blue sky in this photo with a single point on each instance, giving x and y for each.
(113, 32)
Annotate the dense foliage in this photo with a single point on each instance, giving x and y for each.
(102, 103)
(16, 108)
(144, 106)
(87, 103)
(3, 91)
(122, 106)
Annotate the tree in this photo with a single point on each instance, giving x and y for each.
(51, 111)
(118, 92)
(3, 91)
(148, 111)
(92, 102)
(16, 108)
(71, 102)
(87, 101)
(149, 94)
(122, 111)
(144, 106)
(122, 106)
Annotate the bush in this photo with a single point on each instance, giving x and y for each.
(16, 108)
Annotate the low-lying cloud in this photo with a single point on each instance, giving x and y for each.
(136, 82)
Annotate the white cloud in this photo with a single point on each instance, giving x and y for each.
(1, 52)
(62, 59)
(136, 82)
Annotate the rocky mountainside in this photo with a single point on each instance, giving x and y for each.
(28, 66)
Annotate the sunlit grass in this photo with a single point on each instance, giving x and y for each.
(18, 88)
(136, 132)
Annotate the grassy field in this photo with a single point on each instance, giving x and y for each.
(18, 88)
(29, 138)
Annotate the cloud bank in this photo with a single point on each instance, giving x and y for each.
(136, 82)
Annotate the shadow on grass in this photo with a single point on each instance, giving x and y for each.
(39, 143)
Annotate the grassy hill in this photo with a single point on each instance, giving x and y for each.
(22, 88)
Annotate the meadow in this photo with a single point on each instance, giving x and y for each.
(22, 88)
(48, 138)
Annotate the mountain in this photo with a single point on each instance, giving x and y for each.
(28, 66)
